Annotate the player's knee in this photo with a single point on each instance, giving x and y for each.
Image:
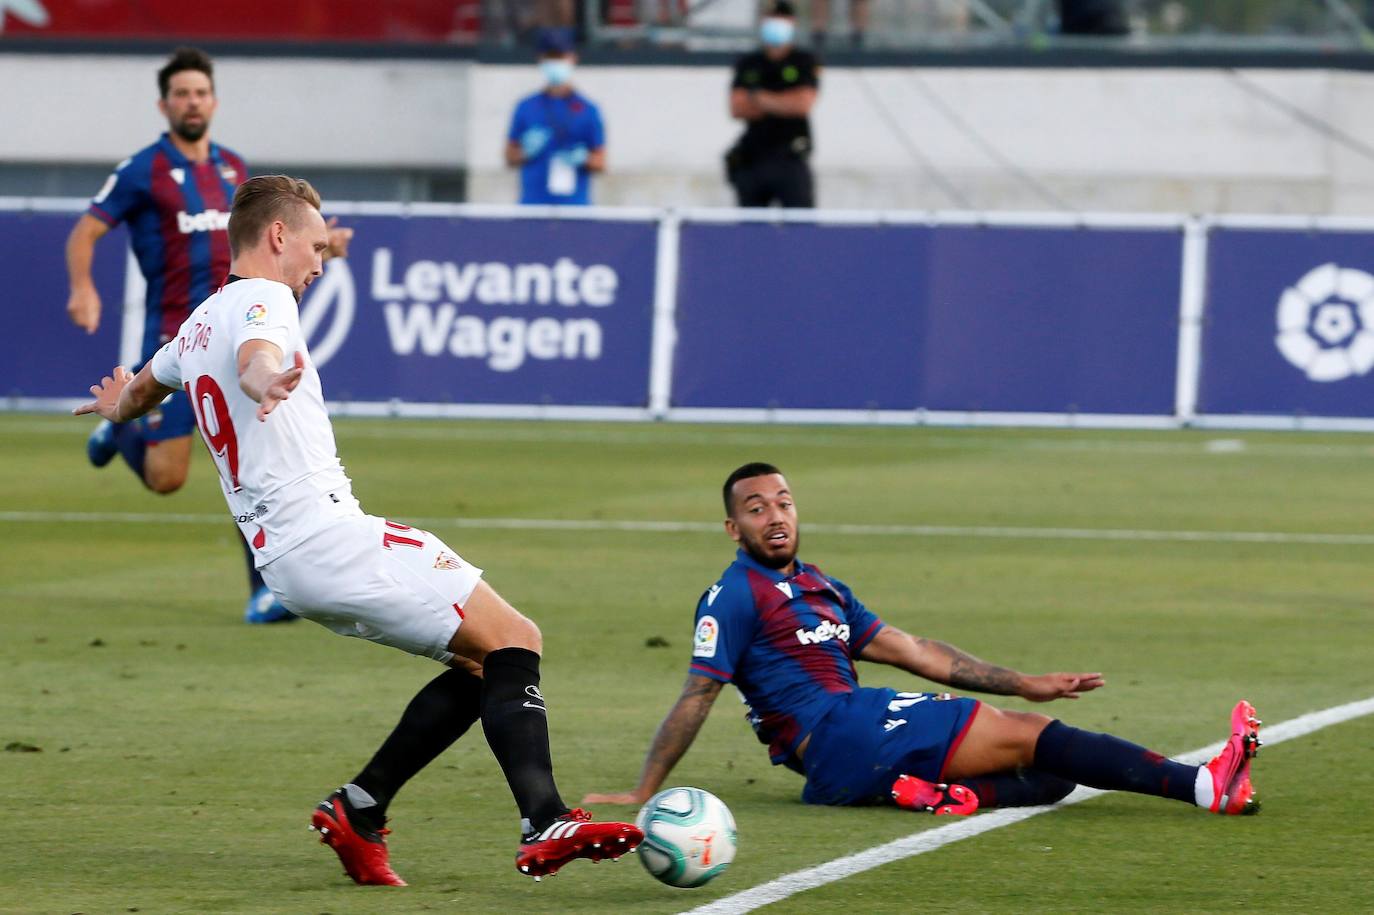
(164, 480)
(524, 633)
(1019, 730)
(1029, 725)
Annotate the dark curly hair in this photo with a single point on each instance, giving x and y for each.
(183, 59)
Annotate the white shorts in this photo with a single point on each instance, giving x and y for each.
(375, 579)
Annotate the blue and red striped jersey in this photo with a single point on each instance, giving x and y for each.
(787, 642)
(178, 216)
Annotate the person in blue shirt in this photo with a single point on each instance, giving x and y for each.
(174, 196)
(787, 636)
(556, 138)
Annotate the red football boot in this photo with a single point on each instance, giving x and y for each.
(572, 836)
(1232, 791)
(942, 800)
(362, 850)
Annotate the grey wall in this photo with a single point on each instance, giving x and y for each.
(1153, 140)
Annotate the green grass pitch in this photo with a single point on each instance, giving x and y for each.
(181, 751)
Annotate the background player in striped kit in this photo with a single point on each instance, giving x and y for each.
(174, 195)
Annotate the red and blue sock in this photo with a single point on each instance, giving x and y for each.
(1113, 764)
(133, 447)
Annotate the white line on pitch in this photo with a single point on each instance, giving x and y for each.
(676, 527)
(918, 438)
(931, 839)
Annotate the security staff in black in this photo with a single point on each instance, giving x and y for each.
(772, 92)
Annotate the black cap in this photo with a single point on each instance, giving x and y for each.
(783, 8)
(555, 41)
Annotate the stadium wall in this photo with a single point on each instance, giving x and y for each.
(748, 316)
(1090, 139)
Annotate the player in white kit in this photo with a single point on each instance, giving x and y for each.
(242, 357)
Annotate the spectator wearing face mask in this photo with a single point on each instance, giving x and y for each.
(556, 138)
(773, 91)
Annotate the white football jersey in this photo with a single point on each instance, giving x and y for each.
(282, 477)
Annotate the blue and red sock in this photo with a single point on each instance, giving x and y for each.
(133, 447)
(1113, 764)
(1018, 788)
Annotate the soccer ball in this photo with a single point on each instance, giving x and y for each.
(689, 836)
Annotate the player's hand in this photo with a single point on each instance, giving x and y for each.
(280, 387)
(1048, 687)
(106, 395)
(339, 237)
(83, 307)
(623, 797)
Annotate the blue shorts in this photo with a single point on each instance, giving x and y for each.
(172, 419)
(874, 735)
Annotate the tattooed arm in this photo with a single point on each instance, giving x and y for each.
(674, 736)
(943, 663)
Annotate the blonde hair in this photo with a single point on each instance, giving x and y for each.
(263, 200)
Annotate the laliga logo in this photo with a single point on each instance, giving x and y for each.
(333, 291)
(1326, 323)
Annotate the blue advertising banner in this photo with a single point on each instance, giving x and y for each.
(1289, 323)
(799, 316)
(1058, 320)
(487, 311)
(952, 318)
(42, 354)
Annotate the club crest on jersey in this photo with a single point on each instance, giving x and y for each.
(706, 638)
(256, 314)
(447, 562)
(229, 173)
(826, 631)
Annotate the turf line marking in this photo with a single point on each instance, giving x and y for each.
(1221, 443)
(931, 839)
(713, 527)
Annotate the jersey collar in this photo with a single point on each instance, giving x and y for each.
(170, 149)
(749, 562)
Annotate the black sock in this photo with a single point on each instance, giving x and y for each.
(1104, 761)
(439, 714)
(132, 446)
(1018, 788)
(517, 728)
(254, 576)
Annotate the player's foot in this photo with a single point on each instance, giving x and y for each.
(1232, 791)
(572, 836)
(100, 446)
(263, 607)
(942, 800)
(361, 849)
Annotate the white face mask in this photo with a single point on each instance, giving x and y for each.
(776, 32)
(557, 71)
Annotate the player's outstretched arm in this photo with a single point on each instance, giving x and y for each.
(122, 396)
(943, 663)
(261, 378)
(674, 736)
